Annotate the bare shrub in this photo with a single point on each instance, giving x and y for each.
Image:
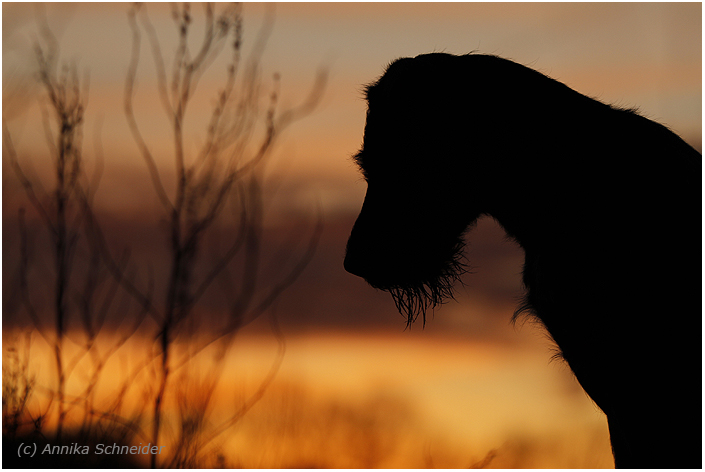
(226, 173)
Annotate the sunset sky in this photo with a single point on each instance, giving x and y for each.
(630, 54)
(346, 342)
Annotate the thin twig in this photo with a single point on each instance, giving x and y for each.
(132, 122)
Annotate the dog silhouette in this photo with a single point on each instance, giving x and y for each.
(605, 203)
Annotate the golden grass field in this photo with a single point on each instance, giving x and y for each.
(406, 400)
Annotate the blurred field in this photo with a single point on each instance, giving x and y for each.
(376, 401)
(412, 401)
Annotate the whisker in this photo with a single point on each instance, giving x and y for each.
(414, 300)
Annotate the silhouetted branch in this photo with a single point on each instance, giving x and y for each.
(129, 112)
(24, 285)
(309, 105)
(26, 183)
(294, 274)
(222, 169)
(144, 299)
(224, 260)
(82, 289)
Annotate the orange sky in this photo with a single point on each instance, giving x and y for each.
(632, 54)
